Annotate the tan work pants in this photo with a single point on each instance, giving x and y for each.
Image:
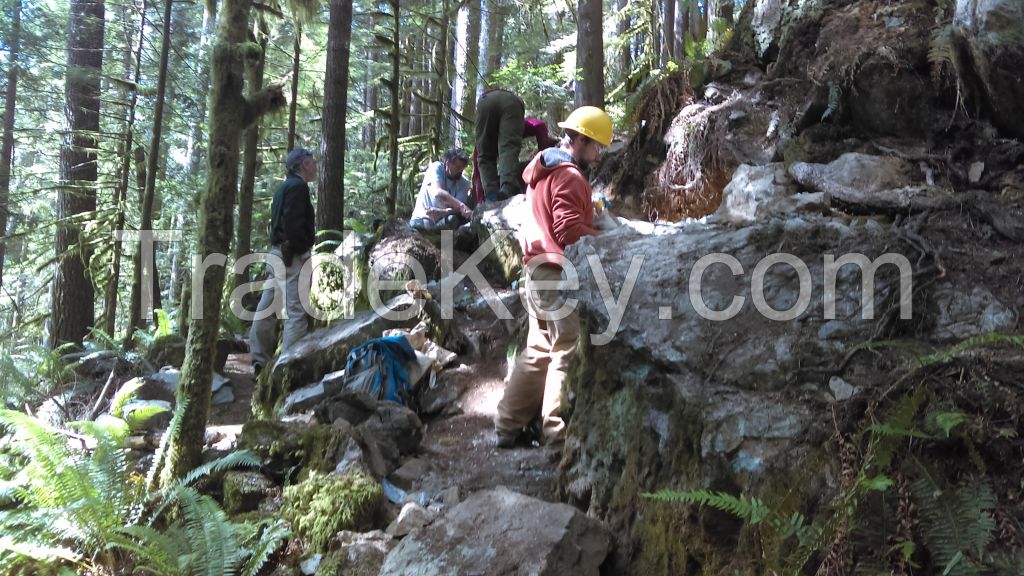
(535, 385)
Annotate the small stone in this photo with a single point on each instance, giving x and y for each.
(223, 396)
(841, 389)
(411, 517)
(309, 565)
(450, 496)
(975, 172)
(410, 472)
(218, 382)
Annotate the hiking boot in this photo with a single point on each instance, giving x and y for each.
(256, 369)
(505, 441)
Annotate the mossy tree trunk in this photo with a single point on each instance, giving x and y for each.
(395, 85)
(230, 114)
(251, 156)
(7, 148)
(296, 60)
(72, 297)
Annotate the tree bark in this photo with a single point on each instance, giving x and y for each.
(668, 27)
(133, 71)
(622, 28)
(395, 85)
(682, 20)
(441, 63)
(251, 155)
(142, 280)
(472, 68)
(590, 54)
(7, 147)
(491, 42)
(230, 114)
(73, 295)
(296, 60)
(331, 191)
(370, 101)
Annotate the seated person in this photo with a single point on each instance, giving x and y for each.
(444, 194)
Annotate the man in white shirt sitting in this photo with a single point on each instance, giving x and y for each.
(444, 194)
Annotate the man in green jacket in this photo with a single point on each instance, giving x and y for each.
(292, 228)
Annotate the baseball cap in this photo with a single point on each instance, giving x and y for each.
(295, 157)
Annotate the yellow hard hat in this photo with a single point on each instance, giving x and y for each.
(590, 121)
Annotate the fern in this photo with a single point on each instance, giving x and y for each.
(956, 523)
(835, 93)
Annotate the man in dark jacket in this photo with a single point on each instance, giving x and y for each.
(292, 228)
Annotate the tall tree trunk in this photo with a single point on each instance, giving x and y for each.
(73, 295)
(142, 280)
(682, 21)
(370, 98)
(7, 147)
(331, 191)
(654, 8)
(491, 40)
(472, 68)
(230, 114)
(251, 155)
(668, 27)
(441, 64)
(418, 59)
(395, 85)
(622, 28)
(590, 54)
(293, 103)
(461, 71)
(133, 71)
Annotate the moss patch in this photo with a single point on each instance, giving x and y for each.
(322, 506)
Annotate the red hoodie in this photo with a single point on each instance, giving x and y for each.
(559, 196)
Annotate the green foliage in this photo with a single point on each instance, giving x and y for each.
(322, 505)
(957, 523)
(88, 508)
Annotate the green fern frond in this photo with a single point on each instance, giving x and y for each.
(237, 459)
(956, 523)
(268, 537)
(747, 508)
(968, 344)
(125, 394)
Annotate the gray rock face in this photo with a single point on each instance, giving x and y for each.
(757, 192)
(507, 216)
(996, 50)
(326, 350)
(364, 552)
(502, 532)
(244, 489)
(963, 315)
(722, 378)
(392, 431)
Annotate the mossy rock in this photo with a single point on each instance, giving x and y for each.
(244, 489)
(167, 350)
(323, 505)
(289, 448)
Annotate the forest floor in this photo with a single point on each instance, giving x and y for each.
(459, 449)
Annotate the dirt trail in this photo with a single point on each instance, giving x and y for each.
(459, 449)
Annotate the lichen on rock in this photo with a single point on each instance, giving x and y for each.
(323, 505)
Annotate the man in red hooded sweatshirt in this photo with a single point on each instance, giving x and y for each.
(559, 197)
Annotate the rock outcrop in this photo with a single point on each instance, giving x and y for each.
(501, 532)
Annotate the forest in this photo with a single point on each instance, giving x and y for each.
(846, 398)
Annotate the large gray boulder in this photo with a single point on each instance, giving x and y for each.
(995, 47)
(662, 396)
(326, 350)
(502, 222)
(500, 532)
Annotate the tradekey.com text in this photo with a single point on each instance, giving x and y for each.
(615, 302)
